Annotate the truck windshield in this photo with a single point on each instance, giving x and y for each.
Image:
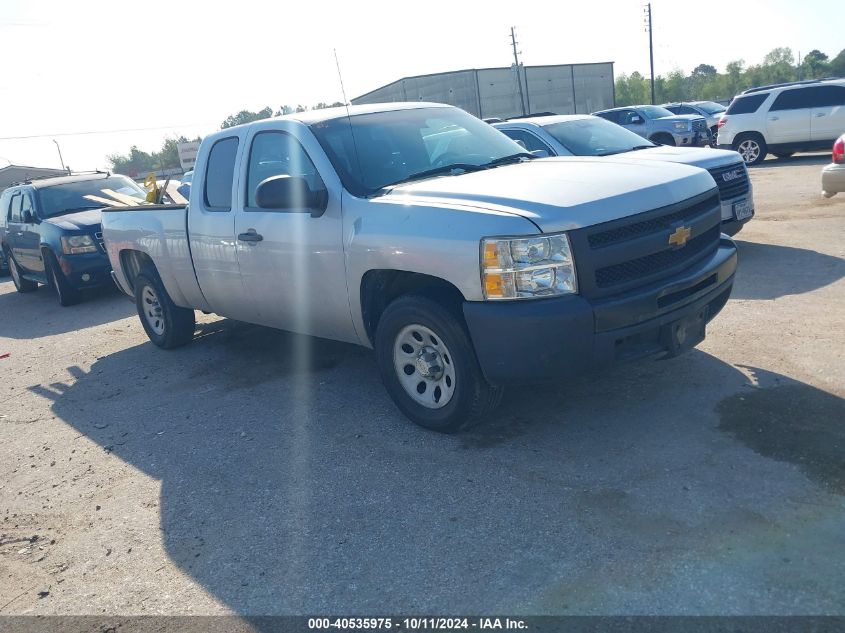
(595, 137)
(96, 193)
(371, 151)
(654, 112)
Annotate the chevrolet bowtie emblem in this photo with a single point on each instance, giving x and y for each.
(680, 236)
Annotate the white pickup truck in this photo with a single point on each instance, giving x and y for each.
(422, 232)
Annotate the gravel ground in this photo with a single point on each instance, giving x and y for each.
(256, 472)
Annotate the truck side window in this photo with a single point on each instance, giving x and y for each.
(219, 174)
(277, 153)
(26, 204)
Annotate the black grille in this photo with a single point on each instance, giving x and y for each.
(656, 262)
(633, 231)
(731, 187)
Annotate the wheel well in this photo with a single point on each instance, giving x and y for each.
(132, 263)
(744, 135)
(380, 287)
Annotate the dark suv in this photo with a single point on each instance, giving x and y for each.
(50, 231)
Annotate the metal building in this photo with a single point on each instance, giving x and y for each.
(495, 92)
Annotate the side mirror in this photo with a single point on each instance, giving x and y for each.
(540, 153)
(28, 217)
(291, 193)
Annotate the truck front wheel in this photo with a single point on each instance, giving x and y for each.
(428, 366)
(166, 324)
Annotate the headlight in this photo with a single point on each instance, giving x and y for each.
(527, 268)
(76, 244)
(681, 125)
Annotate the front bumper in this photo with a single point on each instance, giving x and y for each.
(89, 270)
(833, 179)
(549, 339)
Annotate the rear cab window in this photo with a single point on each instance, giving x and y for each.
(220, 174)
(746, 104)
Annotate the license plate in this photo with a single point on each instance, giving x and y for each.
(743, 209)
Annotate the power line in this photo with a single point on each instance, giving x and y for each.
(92, 132)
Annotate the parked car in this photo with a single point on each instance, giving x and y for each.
(420, 231)
(585, 135)
(659, 125)
(833, 175)
(710, 110)
(782, 119)
(50, 231)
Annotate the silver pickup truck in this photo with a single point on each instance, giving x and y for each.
(424, 233)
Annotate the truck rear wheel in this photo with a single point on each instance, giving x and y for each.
(429, 368)
(166, 324)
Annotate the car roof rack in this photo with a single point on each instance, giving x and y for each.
(787, 84)
(27, 181)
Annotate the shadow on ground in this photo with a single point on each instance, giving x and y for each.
(796, 160)
(48, 318)
(769, 271)
(290, 485)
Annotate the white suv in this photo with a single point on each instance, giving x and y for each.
(784, 119)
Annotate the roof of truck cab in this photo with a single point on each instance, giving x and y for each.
(61, 180)
(327, 114)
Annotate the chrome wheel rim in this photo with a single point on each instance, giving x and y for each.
(424, 366)
(749, 150)
(152, 310)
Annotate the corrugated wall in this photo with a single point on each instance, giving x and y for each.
(494, 92)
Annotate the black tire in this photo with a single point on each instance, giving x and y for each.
(752, 147)
(174, 326)
(472, 396)
(65, 293)
(783, 154)
(663, 139)
(21, 284)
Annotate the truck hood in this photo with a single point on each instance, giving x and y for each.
(76, 221)
(705, 158)
(562, 193)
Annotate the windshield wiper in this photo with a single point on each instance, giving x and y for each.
(636, 147)
(627, 149)
(435, 171)
(511, 158)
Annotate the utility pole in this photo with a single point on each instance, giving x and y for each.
(516, 67)
(650, 47)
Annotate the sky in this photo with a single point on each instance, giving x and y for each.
(168, 68)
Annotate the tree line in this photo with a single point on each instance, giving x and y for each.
(705, 83)
(137, 162)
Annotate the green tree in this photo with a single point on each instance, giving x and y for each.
(837, 64)
(704, 70)
(246, 116)
(632, 89)
(814, 65)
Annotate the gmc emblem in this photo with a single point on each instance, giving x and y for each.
(732, 175)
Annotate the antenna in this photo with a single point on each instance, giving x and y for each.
(339, 76)
(348, 116)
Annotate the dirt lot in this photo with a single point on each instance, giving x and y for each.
(227, 478)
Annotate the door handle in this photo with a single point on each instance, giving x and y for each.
(250, 236)
(818, 114)
(774, 118)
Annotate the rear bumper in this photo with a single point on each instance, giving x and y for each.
(833, 179)
(543, 340)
